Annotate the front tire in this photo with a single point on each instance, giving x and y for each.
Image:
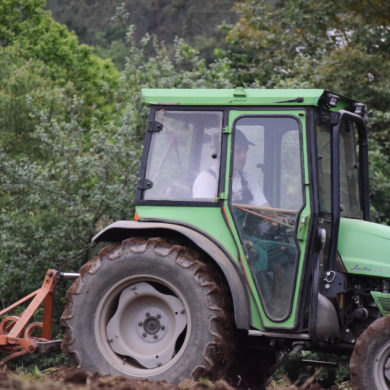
(149, 308)
(370, 360)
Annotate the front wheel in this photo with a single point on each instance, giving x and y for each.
(148, 308)
(370, 361)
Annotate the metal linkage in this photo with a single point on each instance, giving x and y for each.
(15, 334)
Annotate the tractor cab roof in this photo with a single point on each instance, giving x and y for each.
(246, 97)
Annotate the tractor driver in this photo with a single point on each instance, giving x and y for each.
(245, 189)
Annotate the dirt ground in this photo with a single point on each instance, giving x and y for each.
(75, 379)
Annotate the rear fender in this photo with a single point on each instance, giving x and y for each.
(121, 230)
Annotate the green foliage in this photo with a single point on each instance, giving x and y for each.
(67, 166)
(184, 68)
(298, 372)
(97, 24)
(32, 34)
(323, 37)
(52, 206)
(15, 18)
(380, 183)
(24, 84)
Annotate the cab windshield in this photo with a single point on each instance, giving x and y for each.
(187, 147)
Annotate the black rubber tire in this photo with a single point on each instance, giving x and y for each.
(207, 349)
(371, 352)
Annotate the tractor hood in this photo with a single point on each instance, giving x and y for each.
(364, 247)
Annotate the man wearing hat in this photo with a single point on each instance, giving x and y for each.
(244, 189)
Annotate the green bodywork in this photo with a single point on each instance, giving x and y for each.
(382, 300)
(364, 247)
(199, 217)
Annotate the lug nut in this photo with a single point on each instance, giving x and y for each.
(143, 334)
(155, 337)
(140, 323)
(147, 314)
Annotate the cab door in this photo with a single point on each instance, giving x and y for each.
(270, 207)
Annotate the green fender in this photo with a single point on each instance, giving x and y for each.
(121, 230)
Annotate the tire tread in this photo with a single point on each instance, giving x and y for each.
(218, 353)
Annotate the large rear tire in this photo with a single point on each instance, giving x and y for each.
(148, 308)
(370, 360)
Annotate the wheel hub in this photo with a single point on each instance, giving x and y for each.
(152, 327)
(146, 325)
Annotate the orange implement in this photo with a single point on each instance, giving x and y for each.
(15, 334)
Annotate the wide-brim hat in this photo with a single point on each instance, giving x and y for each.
(240, 139)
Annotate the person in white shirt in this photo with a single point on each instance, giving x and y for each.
(245, 188)
(205, 185)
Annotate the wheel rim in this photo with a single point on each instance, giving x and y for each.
(382, 367)
(142, 325)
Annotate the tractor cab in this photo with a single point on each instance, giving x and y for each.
(265, 170)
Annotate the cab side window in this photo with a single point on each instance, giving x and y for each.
(188, 143)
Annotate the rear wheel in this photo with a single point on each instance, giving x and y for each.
(149, 308)
(370, 361)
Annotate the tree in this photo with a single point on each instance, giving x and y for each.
(195, 22)
(28, 33)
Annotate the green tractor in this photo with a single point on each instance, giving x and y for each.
(251, 239)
